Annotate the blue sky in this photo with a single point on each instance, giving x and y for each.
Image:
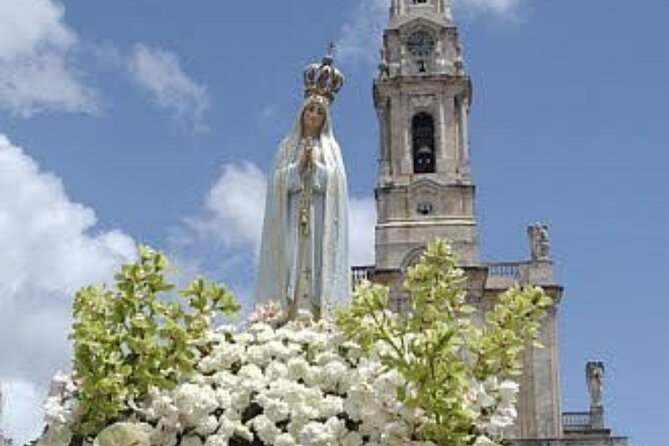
(154, 121)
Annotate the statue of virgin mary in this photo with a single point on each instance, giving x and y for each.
(304, 251)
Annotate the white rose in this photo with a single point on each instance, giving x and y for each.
(216, 440)
(296, 425)
(304, 336)
(195, 402)
(240, 399)
(258, 355)
(483, 398)
(315, 434)
(232, 414)
(191, 440)
(285, 440)
(395, 431)
(124, 434)
(326, 357)
(491, 383)
(276, 370)
(226, 380)
(305, 411)
(243, 432)
(499, 423)
(227, 427)
(164, 437)
(331, 406)
(228, 354)
(277, 350)
(54, 412)
(333, 374)
(208, 364)
(297, 368)
(265, 335)
(314, 376)
(335, 427)
(244, 338)
(276, 410)
(508, 391)
(207, 425)
(352, 439)
(265, 428)
(484, 441)
(250, 372)
(223, 397)
(358, 398)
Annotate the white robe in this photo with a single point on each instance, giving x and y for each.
(328, 256)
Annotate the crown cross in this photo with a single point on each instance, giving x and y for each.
(323, 79)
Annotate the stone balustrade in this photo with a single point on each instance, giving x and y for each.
(360, 273)
(576, 421)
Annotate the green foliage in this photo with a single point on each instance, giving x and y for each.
(513, 324)
(128, 340)
(436, 346)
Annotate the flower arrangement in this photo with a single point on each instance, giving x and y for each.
(371, 377)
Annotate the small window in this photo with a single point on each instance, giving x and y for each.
(418, 2)
(424, 208)
(422, 127)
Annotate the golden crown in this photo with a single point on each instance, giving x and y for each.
(323, 79)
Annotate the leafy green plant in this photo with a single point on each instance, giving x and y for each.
(515, 322)
(129, 339)
(436, 346)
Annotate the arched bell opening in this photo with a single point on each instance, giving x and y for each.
(422, 131)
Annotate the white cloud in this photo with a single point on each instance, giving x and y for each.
(362, 220)
(23, 399)
(224, 238)
(159, 72)
(36, 73)
(49, 248)
(501, 8)
(236, 203)
(231, 216)
(360, 37)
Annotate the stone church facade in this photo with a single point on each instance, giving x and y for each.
(425, 189)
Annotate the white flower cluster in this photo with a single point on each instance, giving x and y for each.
(494, 404)
(299, 384)
(60, 411)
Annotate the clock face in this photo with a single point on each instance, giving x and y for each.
(420, 43)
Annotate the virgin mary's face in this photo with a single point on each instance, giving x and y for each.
(313, 118)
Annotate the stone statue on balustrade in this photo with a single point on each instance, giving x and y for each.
(539, 241)
(303, 260)
(594, 372)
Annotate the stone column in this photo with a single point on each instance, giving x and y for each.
(384, 144)
(441, 144)
(462, 138)
(395, 8)
(464, 130)
(404, 123)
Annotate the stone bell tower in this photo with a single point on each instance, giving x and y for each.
(422, 95)
(424, 190)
